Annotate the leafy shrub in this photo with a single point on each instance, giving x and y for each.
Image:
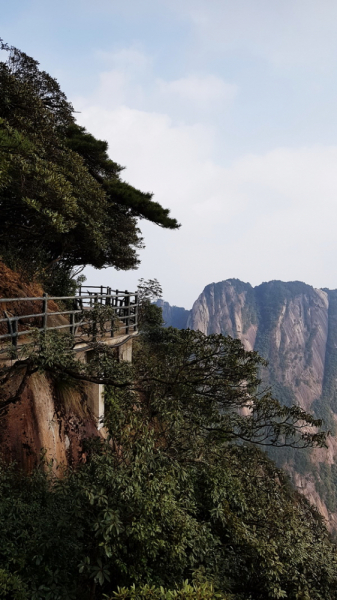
(186, 592)
(11, 587)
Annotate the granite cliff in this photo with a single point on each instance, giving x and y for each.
(294, 326)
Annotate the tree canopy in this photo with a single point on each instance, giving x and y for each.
(62, 199)
(179, 490)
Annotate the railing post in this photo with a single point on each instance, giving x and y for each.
(113, 312)
(12, 326)
(135, 327)
(80, 300)
(127, 311)
(72, 324)
(15, 332)
(73, 319)
(45, 312)
(94, 328)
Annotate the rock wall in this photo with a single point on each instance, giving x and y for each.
(50, 420)
(227, 307)
(293, 326)
(287, 323)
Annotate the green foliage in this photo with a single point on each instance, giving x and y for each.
(186, 592)
(213, 378)
(150, 315)
(61, 280)
(41, 536)
(62, 202)
(11, 587)
(172, 494)
(104, 170)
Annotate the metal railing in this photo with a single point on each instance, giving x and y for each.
(22, 316)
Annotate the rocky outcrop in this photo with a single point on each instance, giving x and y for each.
(293, 326)
(227, 307)
(50, 421)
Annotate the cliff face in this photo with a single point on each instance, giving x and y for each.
(293, 326)
(50, 418)
(288, 323)
(229, 308)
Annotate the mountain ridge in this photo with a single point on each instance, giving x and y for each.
(294, 327)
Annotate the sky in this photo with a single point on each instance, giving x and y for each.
(225, 110)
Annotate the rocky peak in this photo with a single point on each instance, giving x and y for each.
(226, 307)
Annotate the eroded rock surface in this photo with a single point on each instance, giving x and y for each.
(42, 424)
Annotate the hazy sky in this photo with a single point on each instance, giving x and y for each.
(225, 109)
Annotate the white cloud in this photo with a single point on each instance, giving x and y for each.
(287, 33)
(272, 216)
(123, 82)
(201, 90)
(130, 60)
(156, 152)
(130, 81)
(265, 216)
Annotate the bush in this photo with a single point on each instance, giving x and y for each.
(11, 587)
(186, 592)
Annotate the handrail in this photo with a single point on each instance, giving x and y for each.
(123, 308)
(24, 298)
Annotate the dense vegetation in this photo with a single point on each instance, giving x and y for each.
(63, 203)
(179, 490)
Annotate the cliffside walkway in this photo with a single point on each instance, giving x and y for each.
(81, 316)
(77, 315)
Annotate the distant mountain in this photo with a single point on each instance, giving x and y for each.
(174, 316)
(294, 326)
